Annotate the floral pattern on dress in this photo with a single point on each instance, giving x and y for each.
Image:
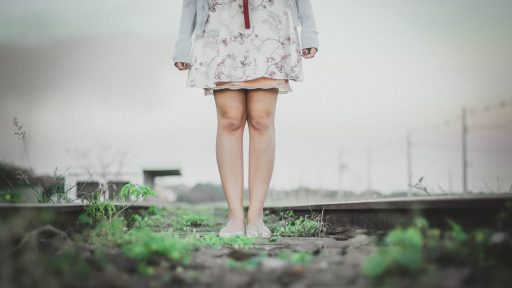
(226, 51)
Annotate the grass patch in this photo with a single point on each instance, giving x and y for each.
(98, 210)
(10, 197)
(289, 257)
(418, 250)
(147, 247)
(187, 221)
(140, 239)
(248, 264)
(173, 219)
(296, 258)
(305, 226)
(212, 240)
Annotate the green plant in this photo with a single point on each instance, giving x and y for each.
(139, 243)
(156, 218)
(296, 258)
(212, 240)
(57, 193)
(69, 263)
(109, 233)
(98, 209)
(457, 233)
(504, 218)
(401, 249)
(251, 263)
(293, 258)
(172, 219)
(10, 197)
(185, 221)
(417, 249)
(301, 227)
(145, 245)
(134, 190)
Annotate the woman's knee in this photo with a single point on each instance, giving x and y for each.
(261, 108)
(261, 120)
(232, 121)
(231, 105)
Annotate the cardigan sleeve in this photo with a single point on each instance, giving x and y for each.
(309, 32)
(187, 26)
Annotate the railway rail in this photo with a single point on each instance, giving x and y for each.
(372, 215)
(384, 214)
(61, 215)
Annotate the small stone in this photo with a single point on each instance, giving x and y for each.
(240, 255)
(273, 264)
(498, 238)
(323, 265)
(454, 276)
(310, 247)
(361, 231)
(340, 230)
(341, 237)
(360, 240)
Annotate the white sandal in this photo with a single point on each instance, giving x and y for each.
(258, 230)
(224, 233)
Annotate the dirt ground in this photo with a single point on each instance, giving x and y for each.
(335, 263)
(330, 261)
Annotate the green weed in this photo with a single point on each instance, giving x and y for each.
(290, 257)
(145, 245)
(248, 264)
(10, 197)
(185, 221)
(109, 233)
(301, 227)
(416, 249)
(98, 210)
(212, 240)
(296, 258)
(167, 219)
(68, 263)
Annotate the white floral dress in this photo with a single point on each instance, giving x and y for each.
(228, 55)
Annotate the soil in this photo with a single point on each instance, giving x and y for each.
(335, 262)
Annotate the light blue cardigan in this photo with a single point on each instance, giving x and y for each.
(195, 12)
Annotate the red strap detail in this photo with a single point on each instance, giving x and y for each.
(246, 15)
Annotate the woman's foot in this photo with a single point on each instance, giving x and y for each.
(234, 227)
(256, 228)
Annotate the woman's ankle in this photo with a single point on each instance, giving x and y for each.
(255, 218)
(237, 217)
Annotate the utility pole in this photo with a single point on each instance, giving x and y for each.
(450, 182)
(409, 161)
(369, 168)
(464, 120)
(341, 170)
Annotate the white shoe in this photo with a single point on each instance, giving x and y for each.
(224, 233)
(258, 230)
(230, 234)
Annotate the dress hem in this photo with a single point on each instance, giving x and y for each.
(282, 89)
(188, 85)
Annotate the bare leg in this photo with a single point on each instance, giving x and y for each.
(261, 105)
(231, 119)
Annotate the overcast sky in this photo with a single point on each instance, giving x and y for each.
(86, 74)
